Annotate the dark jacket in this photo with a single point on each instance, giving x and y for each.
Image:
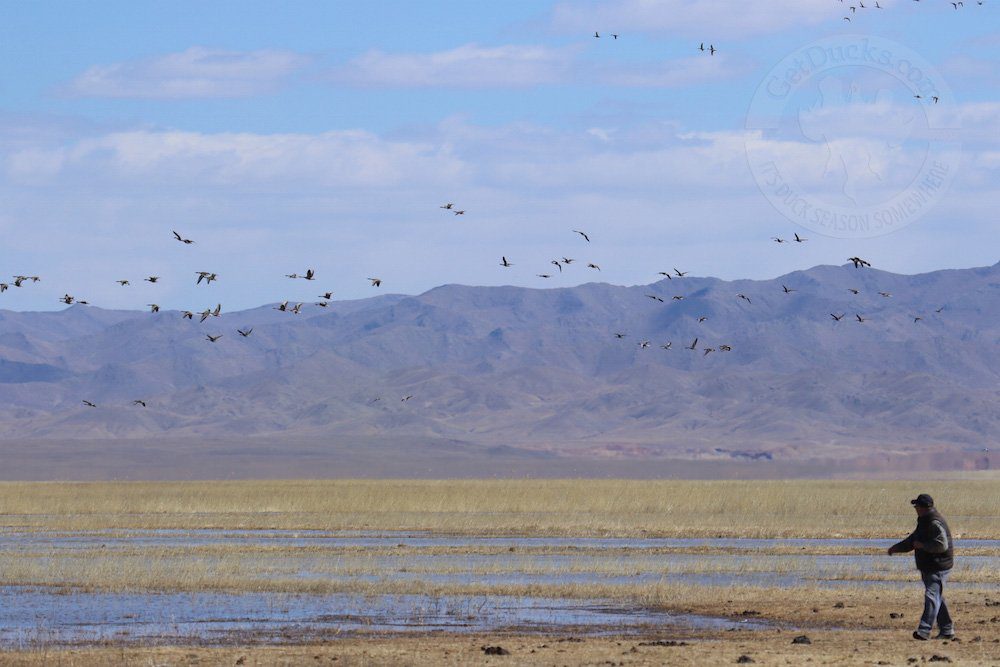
(938, 552)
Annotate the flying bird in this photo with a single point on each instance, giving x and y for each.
(245, 333)
(799, 239)
(702, 319)
(151, 279)
(187, 314)
(123, 283)
(89, 404)
(207, 276)
(504, 262)
(593, 266)
(620, 335)
(153, 308)
(322, 304)
(212, 338)
(787, 290)
(557, 264)
(667, 345)
(139, 402)
(744, 297)
(726, 348)
(777, 239)
(860, 319)
(680, 274)
(585, 237)
(858, 262)
(447, 206)
(852, 290)
(310, 275)
(543, 275)
(283, 306)
(885, 294)
(677, 297)
(693, 345)
(654, 297)
(182, 240)
(837, 317)
(376, 282)
(327, 295)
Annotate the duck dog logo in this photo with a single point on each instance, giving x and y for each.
(853, 136)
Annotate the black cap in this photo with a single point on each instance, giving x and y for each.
(923, 500)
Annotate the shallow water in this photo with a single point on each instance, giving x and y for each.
(31, 617)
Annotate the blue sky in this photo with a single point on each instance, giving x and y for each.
(325, 135)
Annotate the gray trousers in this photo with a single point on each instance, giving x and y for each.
(935, 608)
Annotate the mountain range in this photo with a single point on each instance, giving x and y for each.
(539, 374)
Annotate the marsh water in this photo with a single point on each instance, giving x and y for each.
(32, 614)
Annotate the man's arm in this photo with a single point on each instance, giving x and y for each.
(904, 545)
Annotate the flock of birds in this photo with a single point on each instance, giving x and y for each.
(208, 277)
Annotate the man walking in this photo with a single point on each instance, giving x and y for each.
(934, 552)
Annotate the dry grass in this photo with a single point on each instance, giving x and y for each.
(511, 507)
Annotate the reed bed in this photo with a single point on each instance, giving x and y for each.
(798, 508)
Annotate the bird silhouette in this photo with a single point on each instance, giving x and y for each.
(153, 308)
(693, 345)
(744, 297)
(152, 279)
(139, 402)
(593, 266)
(376, 282)
(212, 338)
(182, 240)
(858, 262)
(837, 317)
(585, 236)
(788, 290)
(245, 333)
(504, 262)
(89, 404)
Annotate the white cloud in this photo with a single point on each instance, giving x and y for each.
(194, 73)
(468, 66)
(701, 20)
(512, 66)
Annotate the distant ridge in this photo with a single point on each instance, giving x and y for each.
(541, 371)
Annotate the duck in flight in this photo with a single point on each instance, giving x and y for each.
(853, 291)
(139, 401)
(799, 239)
(860, 319)
(123, 283)
(89, 404)
(151, 279)
(207, 276)
(654, 297)
(788, 290)
(447, 206)
(837, 317)
(680, 274)
(693, 345)
(744, 297)
(327, 295)
(376, 282)
(556, 263)
(504, 262)
(593, 266)
(245, 333)
(858, 262)
(182, 240)
(212, 338)
(153, 308)
(585, 237)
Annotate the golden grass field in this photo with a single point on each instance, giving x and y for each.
(849, 625)
(800, 508)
